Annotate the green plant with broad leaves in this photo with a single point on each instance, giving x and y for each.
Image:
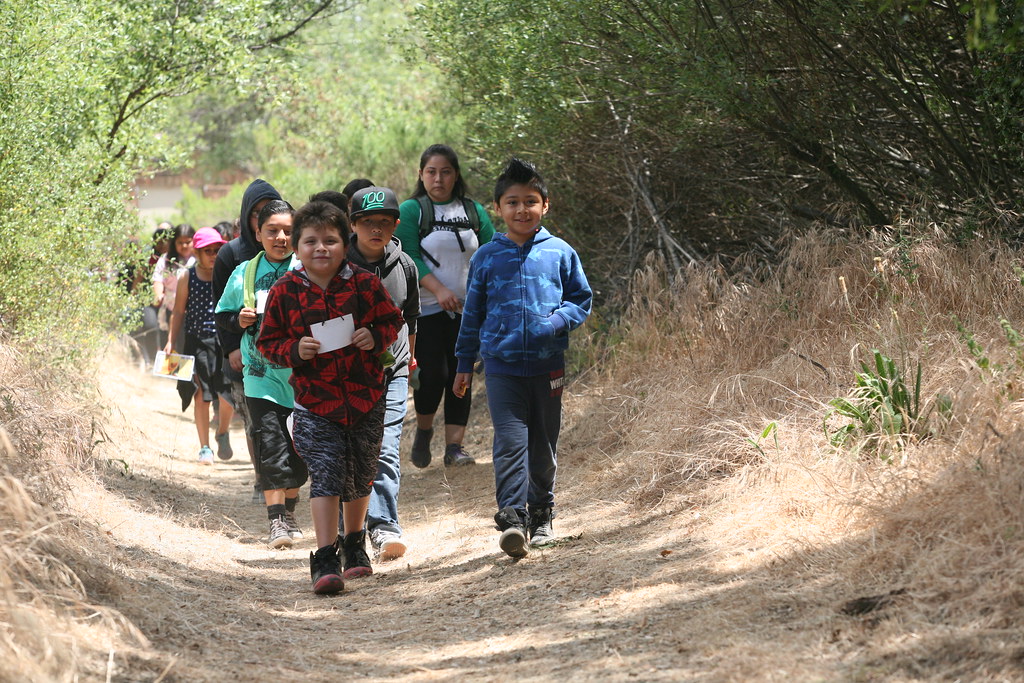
(883, 411)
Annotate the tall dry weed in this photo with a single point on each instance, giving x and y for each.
(708, 359)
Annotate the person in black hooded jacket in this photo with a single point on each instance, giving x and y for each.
(242, 248)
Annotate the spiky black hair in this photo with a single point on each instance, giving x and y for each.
(519, 172)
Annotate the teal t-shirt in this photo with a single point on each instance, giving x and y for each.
(261, 378)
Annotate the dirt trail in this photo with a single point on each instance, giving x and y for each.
(217, 604)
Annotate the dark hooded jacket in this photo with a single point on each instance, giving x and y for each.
(240, 249)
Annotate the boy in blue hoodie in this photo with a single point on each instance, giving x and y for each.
(526, 291)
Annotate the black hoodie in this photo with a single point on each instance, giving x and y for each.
(240, 249)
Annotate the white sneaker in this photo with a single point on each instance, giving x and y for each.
(388, 544)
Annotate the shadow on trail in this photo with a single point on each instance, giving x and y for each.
(190, 503)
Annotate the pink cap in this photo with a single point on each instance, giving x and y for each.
(204, 237)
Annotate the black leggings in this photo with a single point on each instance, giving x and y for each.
(435, 353)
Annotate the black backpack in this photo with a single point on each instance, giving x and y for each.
(427, 223)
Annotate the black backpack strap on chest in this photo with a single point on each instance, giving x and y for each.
(427, 223)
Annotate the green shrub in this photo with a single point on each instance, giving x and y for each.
(885, 413)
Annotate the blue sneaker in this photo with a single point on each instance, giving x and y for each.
(205, 455)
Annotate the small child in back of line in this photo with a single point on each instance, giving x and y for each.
(526, 291)
(330, 322)
(193, 310)
(168, 268)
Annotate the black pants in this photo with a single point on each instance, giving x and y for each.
(435, 353)
(278, 466)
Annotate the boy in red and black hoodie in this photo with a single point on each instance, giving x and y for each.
(331, 322)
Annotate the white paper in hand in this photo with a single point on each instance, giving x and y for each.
(261, 301)
(333, 334)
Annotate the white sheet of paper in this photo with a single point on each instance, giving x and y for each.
(261, 301)
(333, 334)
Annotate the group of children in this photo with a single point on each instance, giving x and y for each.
(315, 332)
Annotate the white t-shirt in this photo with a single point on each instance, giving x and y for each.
(442, 246)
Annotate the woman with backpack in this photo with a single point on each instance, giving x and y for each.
(440, 229)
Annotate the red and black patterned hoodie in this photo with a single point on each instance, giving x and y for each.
(341, 385)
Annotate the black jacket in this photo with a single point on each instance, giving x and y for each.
(240, 249)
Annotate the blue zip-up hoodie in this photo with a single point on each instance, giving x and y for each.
(521, 302)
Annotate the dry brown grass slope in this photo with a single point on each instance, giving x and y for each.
(709, 361)
(701, 547)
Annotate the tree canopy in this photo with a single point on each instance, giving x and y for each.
(86, 89)
(682, 126)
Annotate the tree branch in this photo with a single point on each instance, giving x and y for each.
(280, 38)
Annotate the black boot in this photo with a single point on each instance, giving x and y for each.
(512, 525)
(357, 562)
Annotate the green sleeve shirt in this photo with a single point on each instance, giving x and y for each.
(260, 377)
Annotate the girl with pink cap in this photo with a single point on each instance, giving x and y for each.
(194, 310)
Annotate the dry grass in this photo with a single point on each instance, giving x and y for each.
(52, 569)
(710, 360)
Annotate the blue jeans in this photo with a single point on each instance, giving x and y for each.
(383, 512)
(527, 415)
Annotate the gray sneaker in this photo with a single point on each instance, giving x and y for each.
(293, 526)
(513, 533)
(279, 537)
(224, 451)
(387, 544)
(455, 454)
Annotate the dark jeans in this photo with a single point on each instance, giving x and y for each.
(527, 415)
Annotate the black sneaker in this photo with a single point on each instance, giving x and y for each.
(357, 562)
(421, 447)
(294, 530)
(513, 532)
(541, 533)
(325, 570)
(279, 536)
(455, 455)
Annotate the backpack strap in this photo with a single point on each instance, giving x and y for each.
(426, 215)
(249, 281)
(474, 218)
(427, 223)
